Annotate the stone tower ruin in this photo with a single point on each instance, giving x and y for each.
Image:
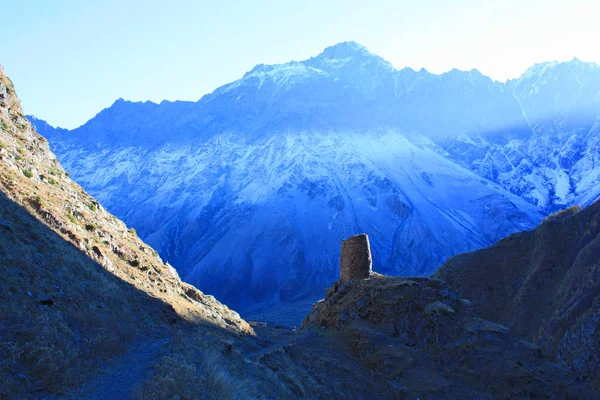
(355, 258)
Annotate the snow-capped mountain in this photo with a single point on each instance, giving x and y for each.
(249, 191)
(559, 164)
(247, 220)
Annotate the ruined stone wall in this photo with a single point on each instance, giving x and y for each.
(355, 258)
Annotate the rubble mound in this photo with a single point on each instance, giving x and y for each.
(428, 342)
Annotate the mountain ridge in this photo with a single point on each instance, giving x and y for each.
(90, 311)
(365, 51)
(196, 167)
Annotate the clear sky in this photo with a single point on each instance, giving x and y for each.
(71, 58)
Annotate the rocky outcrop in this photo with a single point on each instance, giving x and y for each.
(413, 328)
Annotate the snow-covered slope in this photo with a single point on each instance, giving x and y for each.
(249, 190)
(247, 221)
(558, 165)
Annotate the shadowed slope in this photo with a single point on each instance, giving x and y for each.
(61, 312)
(77, 288)
(427, 343)
(544, 284)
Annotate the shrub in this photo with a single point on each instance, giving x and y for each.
(27, 173)
(90, 227)
(133, 231)
(38, 202)
(2, 145)
(9, 175)
(92, 206)
(72, 218)
(134, 263)
(18, 157)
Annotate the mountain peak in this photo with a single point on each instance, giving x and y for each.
(539, 68)
(543, 67)
(347, 53)
(576, 62)
(345, 50)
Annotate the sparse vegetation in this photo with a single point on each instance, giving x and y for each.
(2, 146)
(27, 173)
(3, 125)
(18, 157)
(90, 227)
(92, 206)
(563, 213)
(9, 176)
(56, 347)
(133, 231)
(38, 202)
(72, 218)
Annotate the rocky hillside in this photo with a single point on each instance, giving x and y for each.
(543, 284)
(428, 343)
(77, 288)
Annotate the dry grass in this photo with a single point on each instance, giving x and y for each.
(93, 315)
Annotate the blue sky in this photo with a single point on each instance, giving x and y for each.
(71, 58)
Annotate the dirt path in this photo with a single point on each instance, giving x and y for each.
(116, 381)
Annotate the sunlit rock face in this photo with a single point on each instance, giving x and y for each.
(249, 191)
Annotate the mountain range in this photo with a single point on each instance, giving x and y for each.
(248, 191)
(88, 310)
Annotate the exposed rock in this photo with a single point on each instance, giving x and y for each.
(414, 331)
